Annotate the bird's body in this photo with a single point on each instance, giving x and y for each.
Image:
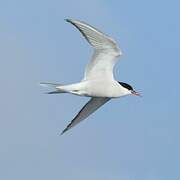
(95, 88)
(98, 82)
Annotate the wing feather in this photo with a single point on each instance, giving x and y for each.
(105, 54)
(92, 105)
(95, 37)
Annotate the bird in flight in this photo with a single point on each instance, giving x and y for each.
(98, 82)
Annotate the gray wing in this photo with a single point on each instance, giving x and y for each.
(92, 105)
(105, 55)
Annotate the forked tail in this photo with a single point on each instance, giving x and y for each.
(52, 85)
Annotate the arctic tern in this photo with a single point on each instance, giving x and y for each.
(98, 82)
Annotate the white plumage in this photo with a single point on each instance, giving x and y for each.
(98, 82)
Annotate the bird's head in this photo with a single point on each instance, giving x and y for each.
(130, 89)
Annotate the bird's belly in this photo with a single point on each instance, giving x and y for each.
(101, 89)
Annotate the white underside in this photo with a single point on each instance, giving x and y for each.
(98, 81)
(95, 88)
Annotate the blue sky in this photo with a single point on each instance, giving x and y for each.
(129, 138)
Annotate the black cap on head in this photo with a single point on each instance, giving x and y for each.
(125, 85)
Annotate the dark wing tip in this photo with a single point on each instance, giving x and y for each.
(71, 21)
(63, 131)
(68, 127)
(68, 20)
(82, 32)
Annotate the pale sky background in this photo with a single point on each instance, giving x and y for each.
(128, 139)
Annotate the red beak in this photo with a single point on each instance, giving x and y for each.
(136, 93)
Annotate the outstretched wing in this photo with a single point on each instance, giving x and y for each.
(105, 54)
(92, 105)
